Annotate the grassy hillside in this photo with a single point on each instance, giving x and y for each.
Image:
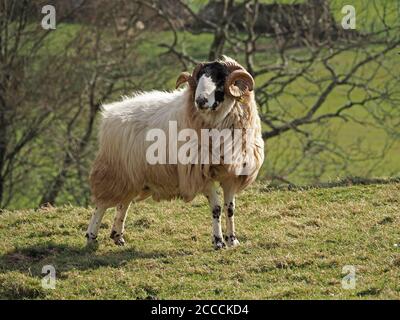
(294, 244)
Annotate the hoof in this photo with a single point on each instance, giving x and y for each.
(91, 241)
(218, 243)
(120, 242)
(118, 238)
(231, 241)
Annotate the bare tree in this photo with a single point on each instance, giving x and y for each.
(51, 91)
(109, 64)
(25, 76)
(309, 72)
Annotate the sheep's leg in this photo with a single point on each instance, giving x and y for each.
(217, 237)
(94, 225)
(229, 208)
(117, 231)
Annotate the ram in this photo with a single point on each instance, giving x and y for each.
(219, 97)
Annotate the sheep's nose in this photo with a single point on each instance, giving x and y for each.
(201, 102)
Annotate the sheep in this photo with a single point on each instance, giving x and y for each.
(217, 95)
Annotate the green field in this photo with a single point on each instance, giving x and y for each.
(294, 244)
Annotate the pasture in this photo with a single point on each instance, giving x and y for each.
(304, 223)
(294, 245)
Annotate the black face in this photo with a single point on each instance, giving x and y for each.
(218, 73)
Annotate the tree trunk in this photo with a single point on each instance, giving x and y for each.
(52, 193)
(217, 47)
(3, 143)
(58, 183)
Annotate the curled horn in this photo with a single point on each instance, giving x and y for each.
(183, 77)
(196, 73)
(190, 78)
(232, 66)
(239, 81)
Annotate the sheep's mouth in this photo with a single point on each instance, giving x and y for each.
(205, 108)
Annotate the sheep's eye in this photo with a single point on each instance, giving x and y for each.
(219, 96)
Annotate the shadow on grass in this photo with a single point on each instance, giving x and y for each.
(66, 257)
(346, 182)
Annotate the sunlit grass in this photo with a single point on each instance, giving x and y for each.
(294, 244)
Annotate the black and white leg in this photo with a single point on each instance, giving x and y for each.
(217, 237)
(117, 231)
(229, 208)
(94, 224)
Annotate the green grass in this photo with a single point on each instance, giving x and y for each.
(294, 244)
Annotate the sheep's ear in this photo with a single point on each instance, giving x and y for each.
(183, 77)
